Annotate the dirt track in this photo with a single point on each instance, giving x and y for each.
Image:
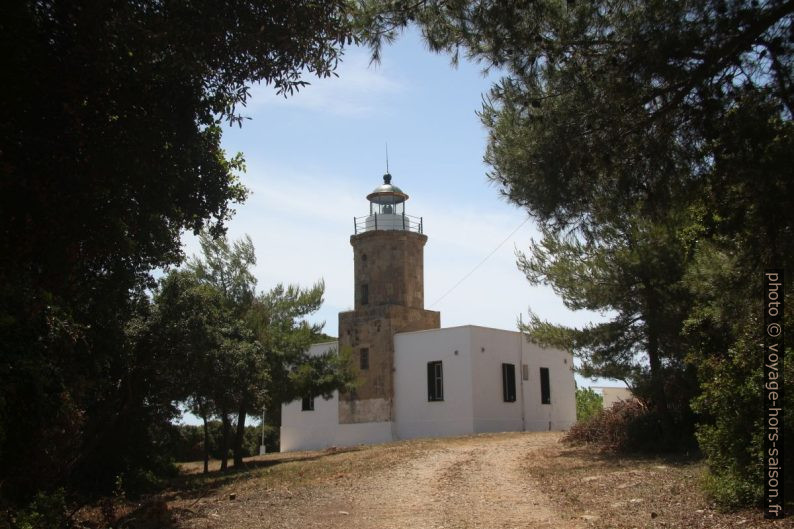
(494, 481)
(473, 482)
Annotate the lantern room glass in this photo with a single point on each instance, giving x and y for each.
(385, 206)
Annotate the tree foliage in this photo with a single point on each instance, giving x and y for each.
(241, 352)
(111, 127)
(588, 404)
(652, 141)
(277, 319)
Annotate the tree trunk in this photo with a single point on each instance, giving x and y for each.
(206, 442)
(273, 418)
(240, 435)
(226, 428)
(654, 359)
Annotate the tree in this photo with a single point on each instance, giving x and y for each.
(111, 132)
(194, 323)
(277, 319)
(261, 358)
(588, 403)
(633, 269)
(241, 374)
(618, 118)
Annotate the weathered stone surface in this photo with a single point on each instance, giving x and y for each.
(391, 264)
(364, 410)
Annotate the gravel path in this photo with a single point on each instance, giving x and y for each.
(471, 483)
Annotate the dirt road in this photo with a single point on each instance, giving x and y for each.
(474, 482)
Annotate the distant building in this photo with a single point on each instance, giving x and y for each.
(417, 379)
(611, 395)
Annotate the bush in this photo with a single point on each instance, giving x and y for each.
(628, 426)
(588, 403)
(46, 511)
(733, 443)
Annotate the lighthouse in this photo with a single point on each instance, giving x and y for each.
(414, 378)
(388, 277)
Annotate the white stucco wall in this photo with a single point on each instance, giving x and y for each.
(611, 395)
(415, 416)
(561, 413)
(472, 359)
(320, 428)
(308, 430)
(490, 349)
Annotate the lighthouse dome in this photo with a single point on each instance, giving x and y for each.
(387, 193)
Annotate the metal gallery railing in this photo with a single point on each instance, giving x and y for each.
(387, 221)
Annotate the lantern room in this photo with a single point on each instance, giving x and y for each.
(387, 210)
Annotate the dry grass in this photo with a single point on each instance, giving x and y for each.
(611, 491)
(583, 488)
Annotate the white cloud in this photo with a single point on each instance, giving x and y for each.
(359, 90)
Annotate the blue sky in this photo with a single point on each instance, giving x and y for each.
(312, 159)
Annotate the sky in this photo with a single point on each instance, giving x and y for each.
(313, 157)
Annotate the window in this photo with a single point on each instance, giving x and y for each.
(435, 381)
(524, 371)
(308, 403)
(545, 389)
(365, 294)
(509, 382)
(364, 358)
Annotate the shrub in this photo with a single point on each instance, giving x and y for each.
(733, 443)
(627, 426)
(46, 511)
(588, 403)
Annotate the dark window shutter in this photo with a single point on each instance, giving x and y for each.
(435, 381)
(431, 375)
(364, 361)
(439, 381)
(545, 388)
(509, 382)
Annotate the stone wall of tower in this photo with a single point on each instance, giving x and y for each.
(391, 265)
(373, 328)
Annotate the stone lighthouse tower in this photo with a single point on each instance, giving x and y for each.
(388, 257)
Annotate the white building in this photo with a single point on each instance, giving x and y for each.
(415, 378)
(611, 395)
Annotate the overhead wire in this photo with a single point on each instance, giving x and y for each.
(478, 265)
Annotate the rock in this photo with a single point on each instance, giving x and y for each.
(344, 512)
(654, 515)
(232, 496)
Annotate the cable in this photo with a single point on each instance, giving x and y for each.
(480, 263)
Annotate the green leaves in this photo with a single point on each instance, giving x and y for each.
(111, 134)
(652, 141)
(278, 319)
(588, 404)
